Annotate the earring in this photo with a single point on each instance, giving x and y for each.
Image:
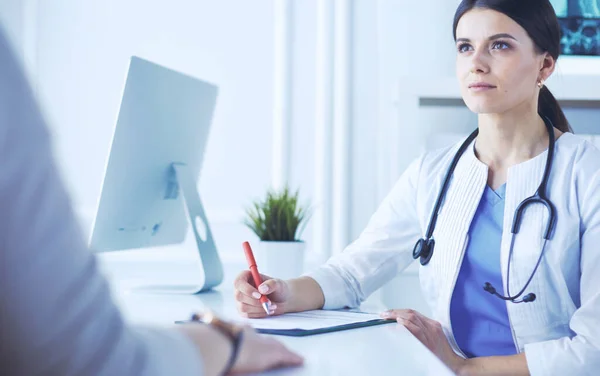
(540, 84)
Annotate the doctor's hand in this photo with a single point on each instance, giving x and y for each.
(247, 295)
(429, 332)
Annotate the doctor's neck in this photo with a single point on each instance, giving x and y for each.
(510, 138)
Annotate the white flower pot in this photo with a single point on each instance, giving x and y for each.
(283, 260)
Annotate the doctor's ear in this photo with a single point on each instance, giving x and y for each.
(548, 63)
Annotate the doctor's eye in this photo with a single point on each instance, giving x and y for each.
(464, 47)
(500, 45)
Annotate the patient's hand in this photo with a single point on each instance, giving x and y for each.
(259, 353)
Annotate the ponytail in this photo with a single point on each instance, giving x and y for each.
(548, 106)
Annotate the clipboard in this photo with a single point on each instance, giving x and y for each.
(329, 329)
(316, 322)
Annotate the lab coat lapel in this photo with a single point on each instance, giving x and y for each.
(463, 196)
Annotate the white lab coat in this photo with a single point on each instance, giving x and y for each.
(560, 331)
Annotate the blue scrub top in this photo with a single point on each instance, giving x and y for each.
(480, 320)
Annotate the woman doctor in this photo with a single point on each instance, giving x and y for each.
(511, 255)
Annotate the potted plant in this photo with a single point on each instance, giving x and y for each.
(278, 220)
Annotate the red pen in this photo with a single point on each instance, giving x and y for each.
(256, 275)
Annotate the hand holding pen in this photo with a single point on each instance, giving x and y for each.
(248, 293)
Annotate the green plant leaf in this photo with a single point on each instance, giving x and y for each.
(278, 216)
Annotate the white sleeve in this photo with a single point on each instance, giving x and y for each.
(580, 354)
(381, 251)
(57, 316)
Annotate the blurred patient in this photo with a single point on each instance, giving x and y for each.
(56, 313)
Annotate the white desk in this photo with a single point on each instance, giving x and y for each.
(379, 350)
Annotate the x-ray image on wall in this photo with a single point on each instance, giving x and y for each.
(580, 25)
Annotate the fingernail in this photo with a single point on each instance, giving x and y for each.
(273, 307)
(263, 289)
(255, 295)
(385, 314)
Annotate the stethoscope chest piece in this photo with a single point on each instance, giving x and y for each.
(424, 250)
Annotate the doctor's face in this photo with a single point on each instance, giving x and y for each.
(497, 63)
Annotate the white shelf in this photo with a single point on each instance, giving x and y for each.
(575, 87)
(564, 87)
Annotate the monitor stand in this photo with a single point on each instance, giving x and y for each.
(182, 182)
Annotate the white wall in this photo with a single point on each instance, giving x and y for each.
(365, 117)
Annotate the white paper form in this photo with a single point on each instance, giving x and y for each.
(309, 320)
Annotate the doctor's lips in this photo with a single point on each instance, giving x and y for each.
(481, 86)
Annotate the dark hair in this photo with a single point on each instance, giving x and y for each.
(539, 20)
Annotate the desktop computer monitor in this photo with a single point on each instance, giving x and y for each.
(149, 191)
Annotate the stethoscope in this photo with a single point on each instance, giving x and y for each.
(424, 247)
